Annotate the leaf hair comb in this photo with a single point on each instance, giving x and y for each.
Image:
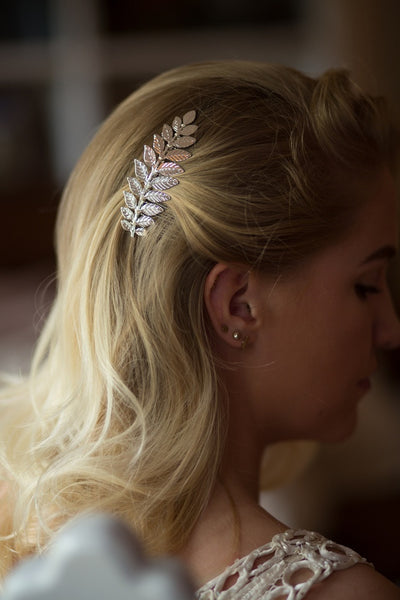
(156, 173)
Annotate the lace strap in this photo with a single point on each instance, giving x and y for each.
(270, 571)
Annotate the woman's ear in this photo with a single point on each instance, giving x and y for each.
(227, 297)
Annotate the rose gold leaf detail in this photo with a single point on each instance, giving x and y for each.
(167, 133)
(164, 183)
(176, 124)
(189, 117)
(189, 130)
(127, 213)
(178, 155)
(170, 168)
(134, 186)
(185, 141)
(145, 221)
(158, 143)
(151, 209)
(149, 156)
(130, 200)
(157, 196)
(141, 170)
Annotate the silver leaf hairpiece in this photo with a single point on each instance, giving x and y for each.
(156, 173)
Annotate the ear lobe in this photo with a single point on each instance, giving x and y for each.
(225, 296)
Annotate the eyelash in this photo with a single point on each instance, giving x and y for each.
(363, 291)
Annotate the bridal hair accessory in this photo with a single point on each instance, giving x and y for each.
(157, 173)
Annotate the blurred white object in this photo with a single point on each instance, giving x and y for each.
(97, 558)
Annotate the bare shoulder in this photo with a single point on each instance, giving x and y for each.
(360, 582)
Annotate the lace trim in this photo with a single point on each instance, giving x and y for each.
(269, 571)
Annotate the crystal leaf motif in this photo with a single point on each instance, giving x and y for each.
(145, 221)
(189, 130)
(189, 117)
(176, 124)
(167, 133)
(149, 156)
(127, 213)
(141, 170)
(170, 168)
(126, 225)
(185, 141)
(164, 183)
(130, 200)
(151, 209)
(153, 174)
(158, 144)
(157, 196)
(178, 155)
(135, 186)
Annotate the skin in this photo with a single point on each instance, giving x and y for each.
(322, 325)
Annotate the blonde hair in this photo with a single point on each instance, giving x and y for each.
(121, 410)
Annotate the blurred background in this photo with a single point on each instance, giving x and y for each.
(64, 64)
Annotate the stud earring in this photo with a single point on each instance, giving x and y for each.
(237, 336)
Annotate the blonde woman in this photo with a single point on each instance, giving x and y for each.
(238, 301)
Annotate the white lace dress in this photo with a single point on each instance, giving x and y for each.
(269, 571)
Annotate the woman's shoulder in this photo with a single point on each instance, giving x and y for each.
(295, 563)
(360, 582)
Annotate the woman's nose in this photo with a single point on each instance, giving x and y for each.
(387, 329)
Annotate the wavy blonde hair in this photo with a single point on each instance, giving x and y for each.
(121, 410)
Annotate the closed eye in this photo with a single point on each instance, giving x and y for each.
(363, 291)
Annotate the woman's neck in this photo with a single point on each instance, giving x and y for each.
(232, 525)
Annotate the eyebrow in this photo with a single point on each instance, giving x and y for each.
(385, 252)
